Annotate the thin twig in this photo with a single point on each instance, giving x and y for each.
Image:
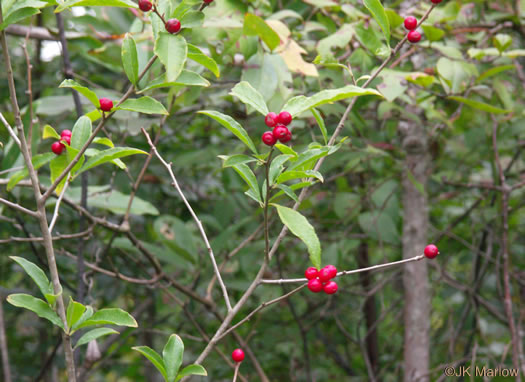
(197, 221)
(236, 372)
(57, 207)
(10, 130)
(345, 273)
(40, 239)
(18, 207)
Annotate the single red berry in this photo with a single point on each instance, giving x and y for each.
(270, 119)
(311, 273)
(280, 131)
(431, 251)
(284, 118)
(436, 1)
(414, 36)
(66, 138)
(286, 138)
(66, 132)
(332, 270)
(315, 285)
(145, 5)
(238, 355)
(173, 26)
(106, 104)
(410, 23)
(57, 148)
(330, 287)
(327, 273)
(268, 138)
(208, 1)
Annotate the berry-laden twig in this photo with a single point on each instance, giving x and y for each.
(345, 273)
(197, 221)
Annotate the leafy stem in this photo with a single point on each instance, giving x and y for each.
(266, 202)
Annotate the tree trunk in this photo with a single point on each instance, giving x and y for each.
(415, 279)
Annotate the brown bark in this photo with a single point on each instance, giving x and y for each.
(415, 279)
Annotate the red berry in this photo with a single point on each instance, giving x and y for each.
(436, 1)
(270, 119)
(57, 147)
(208, 1)
(268, 138)
(284, 118)
(145, 5)
(280, 132)
(431, 251)
(414, 36)
(330, 287)
(106, 104)
(410, 23)
(173, 26)
(327, 273)
(238, 355)
(311, 273)
(66, 132)
(67, 139)
(315, 285)
(287, 138)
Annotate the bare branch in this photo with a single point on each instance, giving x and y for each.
(18, 207)
(10, 130)
(197, 221)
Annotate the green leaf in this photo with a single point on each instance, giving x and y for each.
(299, 104)
(93, 335)
(195, 54)
(276, 167)
(432, 33)
(75, 310)
(92, 3)
(88, 313)
(186, 78)
(172, 52)
(90, 95)
(307, 158)
(286, 149)
(38, 161)
(154, 358)
(15, 11)
(57, 167)
(290, 175)
(288, 191)
(256, 26)
(480, 105)
(231, 125)
(249, 177)
(104, 141)
(229, 161)
(321, 124)
(192, 370)
(49, 132)
(36, 305)
(109, 155)
(172, 356)
(250, 96)
(37, 274)
(376, 9)
(110, 316)
(130, 60)
(145, 105)
(502, 41)
(300, 227)
(192, 19)
(81, 132)
(494, 71)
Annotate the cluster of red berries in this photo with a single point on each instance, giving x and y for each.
(411, 24)
(321, 280)
(280, 131)
(238, 355)
(431, 251)
(58, 147)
